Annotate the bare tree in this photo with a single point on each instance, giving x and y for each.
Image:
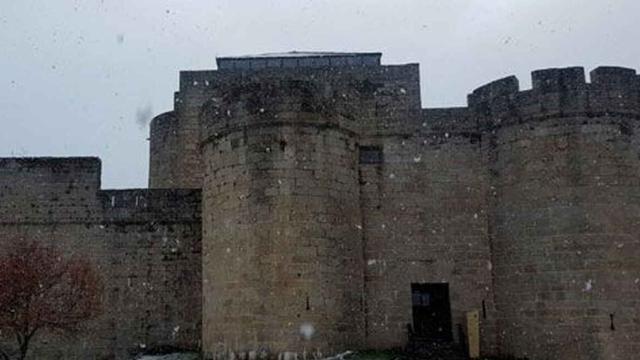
(40, 290)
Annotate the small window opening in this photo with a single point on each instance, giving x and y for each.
(371, 155)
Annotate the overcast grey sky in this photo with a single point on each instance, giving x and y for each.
(76, 77)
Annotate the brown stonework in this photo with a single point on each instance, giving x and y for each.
(145, 244)
(564, 167)
(327, 192)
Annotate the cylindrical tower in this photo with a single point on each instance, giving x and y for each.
(565, 195)
(175, 158)
(163, 150)
(282, 252)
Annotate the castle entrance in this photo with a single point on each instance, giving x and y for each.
(431, 310)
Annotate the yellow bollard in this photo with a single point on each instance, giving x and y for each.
(473, 334)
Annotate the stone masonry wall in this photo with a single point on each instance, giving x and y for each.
(282, 254)
(564, 165)
(374, 94)
(175, 156)
(164, 151)
(425, 222)
(328, 191)
(144, 244)
(381, 105)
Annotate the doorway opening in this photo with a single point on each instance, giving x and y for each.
(431, 311)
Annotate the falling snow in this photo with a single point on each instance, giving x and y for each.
(307, 330)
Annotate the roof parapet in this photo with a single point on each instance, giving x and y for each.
(614, 77)
(557, 79)
(501, 87)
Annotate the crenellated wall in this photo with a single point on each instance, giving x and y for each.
(291, 208)
(145, 245)
(264, 132)
(420, 213)
(565, 175)
(435, 205)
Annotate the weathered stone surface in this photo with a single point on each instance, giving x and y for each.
(526, 202)
(145, 245)
(564, 217)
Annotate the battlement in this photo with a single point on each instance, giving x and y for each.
(64, 165)
(48, 189)
(507, 86)
(615, 78)
(558, 79)
(50, 174)
(164, 120)
(612, 90)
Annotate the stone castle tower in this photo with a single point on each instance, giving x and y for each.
(314, 207)
(328, 191)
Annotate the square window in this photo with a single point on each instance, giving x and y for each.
(371, 155)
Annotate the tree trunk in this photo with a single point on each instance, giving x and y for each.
(23, 350)
(24, 346)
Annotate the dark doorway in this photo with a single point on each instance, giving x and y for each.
(431, 311)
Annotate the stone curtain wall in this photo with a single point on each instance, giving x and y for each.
(425, 222)
(145, 245)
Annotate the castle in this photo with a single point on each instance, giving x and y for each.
(303, 204)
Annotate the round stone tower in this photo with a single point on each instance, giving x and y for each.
(564, 160)
(163, 151)
(282, 251)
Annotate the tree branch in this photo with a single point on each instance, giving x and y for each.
(4, 355)
(39, 289)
